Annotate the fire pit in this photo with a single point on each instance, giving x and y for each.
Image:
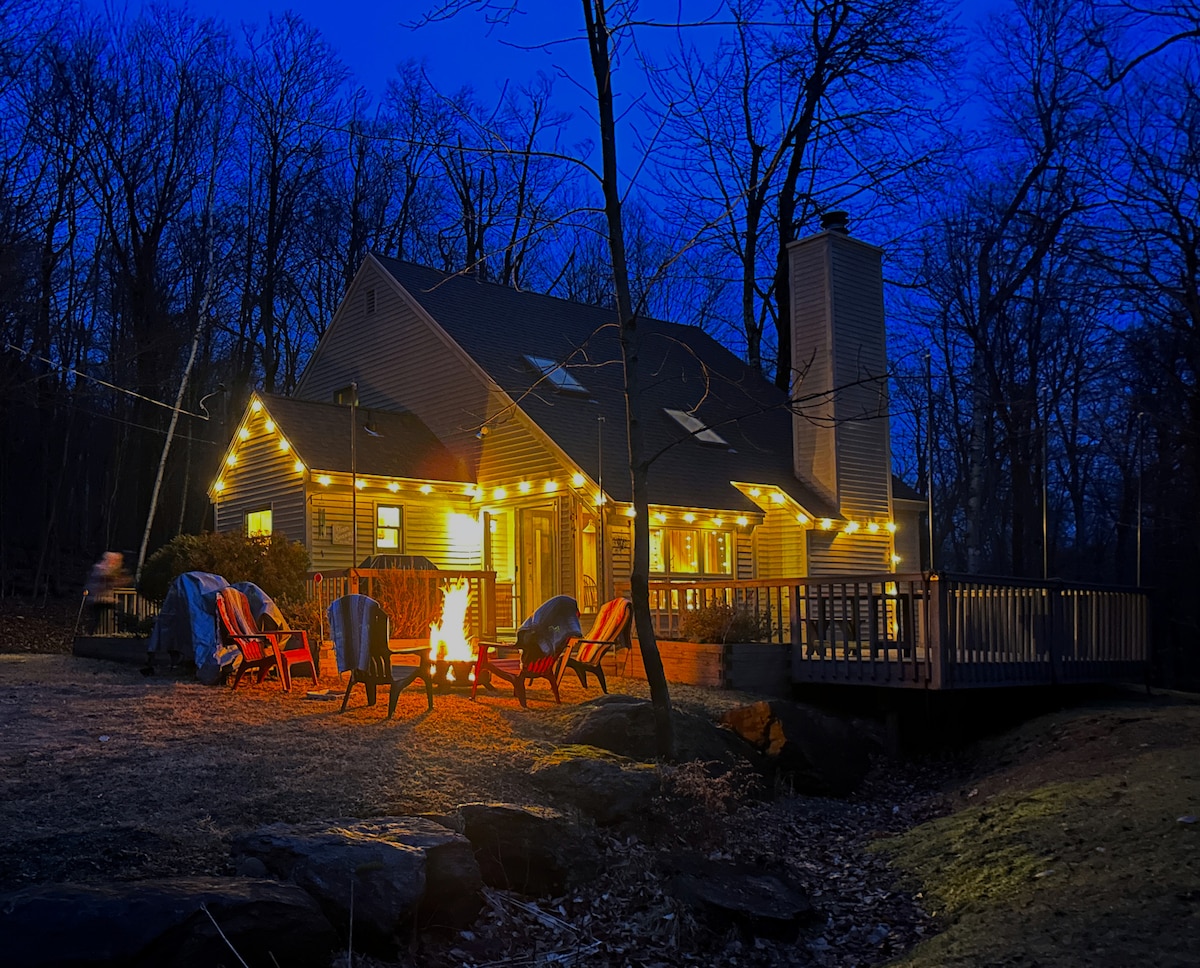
(453, 673)
(451, 651)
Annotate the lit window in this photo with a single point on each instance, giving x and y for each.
(556, 374)
(718, 557)
(258, 523)
(683, 551)
(658, 561)
(387, 527)
(696, 428)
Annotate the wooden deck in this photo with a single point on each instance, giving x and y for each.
(935, 631)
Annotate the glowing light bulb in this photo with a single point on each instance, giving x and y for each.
(873, 527)
(577, 480)
(776, 497)
(851, 527)
(755, 492)
(631, 512)
(393, 486)
(659, 517)
(298, 467)
(523, 487)
(256, 406)
(360, 483)
(896, 559)
(743, 521)
(243, 434)
(324, 480)
(826, 523)
(270, 425)
(689, 517)
(426, 488)
(231, 460)
(550, 487)
(284, 446)
(219, 486)
(802, 518)
(500, 494)
(891, 526)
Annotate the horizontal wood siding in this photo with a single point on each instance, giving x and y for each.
(781, 546)
(813, 439)
(860, 365)
(836, 553)
(907, 539)
(263, 477)
(426, 529)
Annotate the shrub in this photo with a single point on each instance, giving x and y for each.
(724, 623)
(274, 564)
(412, 600)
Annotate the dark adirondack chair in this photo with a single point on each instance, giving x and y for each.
(359, 627)
(543, 646)
(612, 628)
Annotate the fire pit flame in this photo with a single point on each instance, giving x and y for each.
(448, 639)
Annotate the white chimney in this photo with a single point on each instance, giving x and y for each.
(839, 352)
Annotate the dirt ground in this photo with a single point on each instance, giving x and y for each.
(1070, 841)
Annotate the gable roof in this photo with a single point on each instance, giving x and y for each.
(395, 445)
(682, 368)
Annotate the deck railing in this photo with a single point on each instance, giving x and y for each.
(128, 613)
(367, 581)
(932, 631)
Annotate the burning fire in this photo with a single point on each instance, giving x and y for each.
(448, 639)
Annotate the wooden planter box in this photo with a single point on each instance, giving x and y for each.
(746, 666)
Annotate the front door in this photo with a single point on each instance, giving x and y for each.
(538, 559)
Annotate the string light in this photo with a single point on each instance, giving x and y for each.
(393, 486)
(776, 497)
(270, 425)
(219, 486)
(873, 527)
(743, 521)
(523, 487)
(256, 406)
(231, 460)
(891, 526)
(426, 488)
(284, 446)
(324, 480)
(243, 434)
(298, 467)
(755, 492)
(802, 518)
(851, 527)
(500, 494)
(826, 524)
(550, 487)
(360, 484)
(689, 517)
(577, 480)
(631, 512)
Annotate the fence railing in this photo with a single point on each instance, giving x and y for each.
(936, 631)
(128, 612)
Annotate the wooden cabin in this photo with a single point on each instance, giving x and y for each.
(483, 428)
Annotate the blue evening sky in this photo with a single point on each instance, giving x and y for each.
(372, 39)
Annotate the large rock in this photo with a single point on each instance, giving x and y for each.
(392, 870)
(822, 754)
(612, 789)
(533, 850)
(757, 902)
(162, 923)
(625, 725)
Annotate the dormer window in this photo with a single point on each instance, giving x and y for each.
(695, 427)
(556, 375)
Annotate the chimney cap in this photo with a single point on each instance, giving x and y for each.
(835, 221)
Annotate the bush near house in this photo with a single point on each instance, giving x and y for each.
(724, 623)
(274, 564)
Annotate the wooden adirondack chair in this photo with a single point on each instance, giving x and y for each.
(554, 622)
(613, 627)
(359, 627)
(261, 648)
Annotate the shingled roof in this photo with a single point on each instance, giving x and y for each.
(387, 444)
(682, 368)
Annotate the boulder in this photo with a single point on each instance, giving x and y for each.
(611, 789)
(532, 850)
(823, 754)
(162, 923)
(393, 870)
(625, 725)
(756, 902)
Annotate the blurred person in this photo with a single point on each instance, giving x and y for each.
(107, 575)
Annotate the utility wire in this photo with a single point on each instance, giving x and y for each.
(103, 383)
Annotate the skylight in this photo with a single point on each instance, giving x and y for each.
(556, 374)
(696, 428)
